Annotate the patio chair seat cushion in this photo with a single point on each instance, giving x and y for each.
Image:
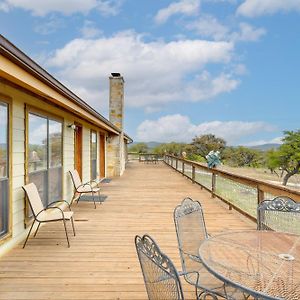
(54, 214)
(87, 189)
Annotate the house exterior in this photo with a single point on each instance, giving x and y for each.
(45, 131)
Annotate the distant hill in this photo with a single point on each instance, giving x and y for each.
(265, 147)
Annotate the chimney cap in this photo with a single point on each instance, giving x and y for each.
(115, 74)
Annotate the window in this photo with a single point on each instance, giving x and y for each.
(4, 169)
(45, 156)
(93, 154)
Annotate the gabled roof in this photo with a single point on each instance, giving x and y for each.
(10, 51)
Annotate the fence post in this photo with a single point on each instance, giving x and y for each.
(176, 166)
(182, 167)
(193, 173)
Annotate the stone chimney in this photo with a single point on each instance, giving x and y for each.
(116, 100)
(116, 148)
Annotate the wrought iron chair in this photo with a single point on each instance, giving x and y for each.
(280, 214)
(191, 231)
(84, 188)
(160, 276)
(47, 214)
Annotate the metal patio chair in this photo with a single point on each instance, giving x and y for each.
(160, 276)
(279, 214)
(84, 188)
(46, 214)
(191, 231)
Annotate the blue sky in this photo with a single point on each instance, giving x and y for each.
(227, 67)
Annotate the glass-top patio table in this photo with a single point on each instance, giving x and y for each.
(264, 264)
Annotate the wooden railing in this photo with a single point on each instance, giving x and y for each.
(144, 157)
(239, 192)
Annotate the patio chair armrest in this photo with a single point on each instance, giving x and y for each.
(191, 256)
(59, 201)
(95, 181)
(39, 213)
(85, 184)
(182, 273)
(81, 185)
(89, 184)
(55, 207)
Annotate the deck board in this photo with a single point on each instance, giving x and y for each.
(102, 263)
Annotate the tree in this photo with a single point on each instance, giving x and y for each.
(203, 144)
(243, 157)
(172, 148)
(139, 148)
(287, 157)
(271, 162)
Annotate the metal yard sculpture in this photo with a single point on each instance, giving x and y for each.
(213, 159)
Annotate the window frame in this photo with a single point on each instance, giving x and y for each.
(92, 131)
(8, 101)
(48, 116)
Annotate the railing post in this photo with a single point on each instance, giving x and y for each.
(260, 195)
(213, 184)
(182, 167)
(193, 173)
(176, 166)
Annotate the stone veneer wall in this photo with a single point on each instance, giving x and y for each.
(116, 157)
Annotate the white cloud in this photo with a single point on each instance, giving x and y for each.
(248, 33)
(240, 69)
(66, 7)
(254, 8)
(277, 140)
(221, 1)
(4, 7)
(50, 26)
(89, 30)
(183, 7)
(209, 26)
(155, 72)
(179, 128)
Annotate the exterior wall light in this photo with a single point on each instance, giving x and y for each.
(72, 126)
(108, 139)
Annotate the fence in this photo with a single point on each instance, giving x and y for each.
(239, 192)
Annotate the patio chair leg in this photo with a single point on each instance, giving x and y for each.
(28, 234)
(66, 232)
(73, 198)
(99, 197)
(72, 221)
(94, 199)
(37, 230)
(79, 198)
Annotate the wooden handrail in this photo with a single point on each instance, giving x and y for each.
(261, 186)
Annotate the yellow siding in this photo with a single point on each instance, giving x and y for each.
(19, 99)
(68, 159)
(18, 160)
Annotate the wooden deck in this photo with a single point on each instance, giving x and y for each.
(102, 263)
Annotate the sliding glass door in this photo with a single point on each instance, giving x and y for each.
(4, 169)
(45, 156)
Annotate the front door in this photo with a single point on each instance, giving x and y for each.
(78, 149)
